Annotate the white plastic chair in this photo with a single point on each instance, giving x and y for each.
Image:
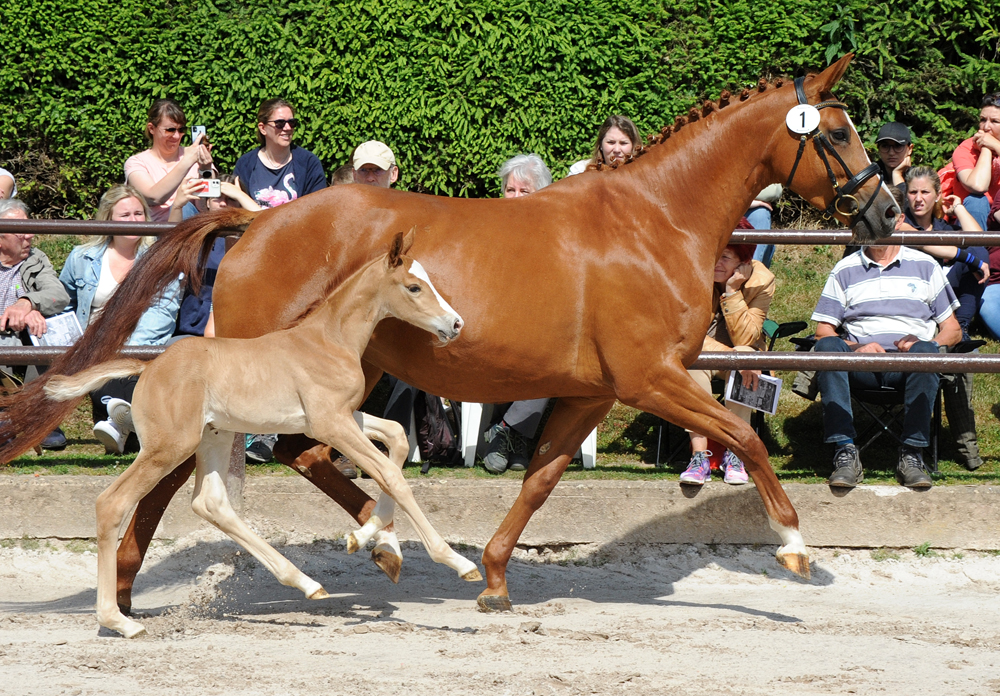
(472, 428)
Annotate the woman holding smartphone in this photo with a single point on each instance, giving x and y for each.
(278, 171)
(157, 172)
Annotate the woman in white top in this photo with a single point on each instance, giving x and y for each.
(157, 172)
(8, 186)
(92, 273)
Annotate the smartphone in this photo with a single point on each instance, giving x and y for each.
(210, 188)
(196, 131)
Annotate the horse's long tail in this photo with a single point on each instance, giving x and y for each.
(30, 415)
(64, 388)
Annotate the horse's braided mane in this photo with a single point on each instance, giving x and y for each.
(695, 113)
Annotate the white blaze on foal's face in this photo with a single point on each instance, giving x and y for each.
(448, 323)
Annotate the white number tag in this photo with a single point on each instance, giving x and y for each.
(802, 119)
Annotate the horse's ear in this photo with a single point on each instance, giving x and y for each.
(408, 240)
(395, 251)
(825, 81)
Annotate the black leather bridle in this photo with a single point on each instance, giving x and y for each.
(823, 145)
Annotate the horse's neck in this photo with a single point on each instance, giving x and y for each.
(706, 174)
(349, 315)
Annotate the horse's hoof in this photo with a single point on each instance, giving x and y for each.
(132, 629)
(796, 562)
(319, 594)
(352, 543)
(388, 561)
(491, 603)
(475, 576)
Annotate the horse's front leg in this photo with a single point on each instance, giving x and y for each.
(571, 420)
(673, 395)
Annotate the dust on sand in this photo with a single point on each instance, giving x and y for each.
(668, 619)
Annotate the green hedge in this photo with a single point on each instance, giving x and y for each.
(453, 87)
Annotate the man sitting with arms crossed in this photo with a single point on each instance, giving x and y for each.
(883, 299)
(29, 291)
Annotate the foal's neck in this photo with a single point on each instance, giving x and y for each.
(347, 317)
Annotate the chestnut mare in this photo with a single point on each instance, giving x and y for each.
(594, 289)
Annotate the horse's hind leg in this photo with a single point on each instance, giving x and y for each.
(135, 542)
(112, 505)
(211, 502)
(674, 396)
(571, 420)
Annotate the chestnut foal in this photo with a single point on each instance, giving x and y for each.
(305, 379)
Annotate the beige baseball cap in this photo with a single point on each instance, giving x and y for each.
(374, 152)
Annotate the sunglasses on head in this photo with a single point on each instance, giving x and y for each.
(279, 123)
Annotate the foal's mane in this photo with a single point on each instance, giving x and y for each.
(330, 289)
(696, 113)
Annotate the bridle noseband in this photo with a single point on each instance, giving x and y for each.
(854, 182)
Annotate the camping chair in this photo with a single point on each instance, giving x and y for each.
(773, 330)
(885, 407)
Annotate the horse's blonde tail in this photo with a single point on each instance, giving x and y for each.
(63, 388)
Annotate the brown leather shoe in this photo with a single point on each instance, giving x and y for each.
(346, 467)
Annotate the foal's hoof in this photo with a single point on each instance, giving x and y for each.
(388, 561)
(319, 594)
(796, 562)
(352, 543)
(490, 603)
(474, 576)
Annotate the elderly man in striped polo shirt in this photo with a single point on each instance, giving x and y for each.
(878, 300)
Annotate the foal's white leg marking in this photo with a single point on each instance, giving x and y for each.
(211, 502)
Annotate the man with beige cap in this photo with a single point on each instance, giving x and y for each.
(374, 164)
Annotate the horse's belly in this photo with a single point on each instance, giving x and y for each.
(266, 416)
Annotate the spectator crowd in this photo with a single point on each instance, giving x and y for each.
(876, 299)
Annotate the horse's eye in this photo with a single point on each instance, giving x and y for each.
(840, 135)
(414, 289)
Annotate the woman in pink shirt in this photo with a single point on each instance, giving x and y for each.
(157, 172)
(977, 162)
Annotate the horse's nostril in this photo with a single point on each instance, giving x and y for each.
(458, 325)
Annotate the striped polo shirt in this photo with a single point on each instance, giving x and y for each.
(874, 304)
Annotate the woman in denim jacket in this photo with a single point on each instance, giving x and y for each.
(91, 274)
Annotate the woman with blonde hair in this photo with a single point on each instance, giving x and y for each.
(92, 273)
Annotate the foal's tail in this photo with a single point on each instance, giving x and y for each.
(64, 388)
(30, 415)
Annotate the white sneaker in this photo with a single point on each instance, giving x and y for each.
(120, 411)
(108, 434)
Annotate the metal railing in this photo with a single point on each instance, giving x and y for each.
(866, 362)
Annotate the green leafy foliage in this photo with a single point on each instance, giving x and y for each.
(454, 87)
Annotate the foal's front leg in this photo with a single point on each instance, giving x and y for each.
(211, 502)
(343, 433)
(386, 553)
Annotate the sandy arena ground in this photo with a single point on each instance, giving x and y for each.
(648, 620)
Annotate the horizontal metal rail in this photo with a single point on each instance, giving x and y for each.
(857, 362)
(95, 227)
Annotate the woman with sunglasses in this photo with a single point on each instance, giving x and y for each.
(278, 171)
(157, 172)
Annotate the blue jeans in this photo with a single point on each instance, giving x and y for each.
(760, 219)
(989, 309)
(919, 392)
(978, 206)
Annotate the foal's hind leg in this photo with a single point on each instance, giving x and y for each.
(674, 396)
(212, 503)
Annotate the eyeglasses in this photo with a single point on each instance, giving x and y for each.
(171, 131)
(891, 146)
(280, 123)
